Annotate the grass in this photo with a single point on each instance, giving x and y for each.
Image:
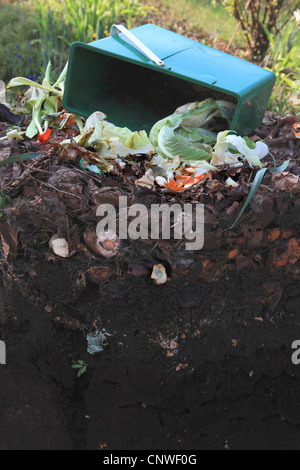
(50, 26)
(18, 53)
(204, 14)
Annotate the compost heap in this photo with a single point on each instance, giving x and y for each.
(166, 332)
(54, 197)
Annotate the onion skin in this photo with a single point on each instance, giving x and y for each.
(106, 244)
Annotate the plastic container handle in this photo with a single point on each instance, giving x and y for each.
(136, 43)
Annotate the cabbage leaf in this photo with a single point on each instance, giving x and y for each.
(189, 131)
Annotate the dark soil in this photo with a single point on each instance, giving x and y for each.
(201, 362)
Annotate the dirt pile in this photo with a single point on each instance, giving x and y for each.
(203, 361)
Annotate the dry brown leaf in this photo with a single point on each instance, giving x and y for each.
(99, 272)
(5, 153)
(9, 238)
(276, 233)
(231, 210)
(287, 255)
(73, 153)
(233, 253)
(288, 182)
(5, 247)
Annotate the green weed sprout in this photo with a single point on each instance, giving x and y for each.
(81, 367)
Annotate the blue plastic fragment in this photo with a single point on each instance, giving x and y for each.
(85, 166)
(97, 341)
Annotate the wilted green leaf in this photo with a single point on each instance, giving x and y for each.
(257, 180)
(22, 156)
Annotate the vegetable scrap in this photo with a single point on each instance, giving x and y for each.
(113, 144)
(59, 246)
(159, 274)
(185, 142)
(45, 136)
(106, 243)
(68, 117)
(182, 149)
(43, 102)
(183, 181)
(296, 129)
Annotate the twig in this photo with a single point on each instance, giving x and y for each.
(240, 22)
(53, 187)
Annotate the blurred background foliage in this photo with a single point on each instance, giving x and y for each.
(267, 32)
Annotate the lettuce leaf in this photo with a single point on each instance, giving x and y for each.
(111, 141)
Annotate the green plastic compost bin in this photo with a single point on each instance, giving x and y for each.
(139, 76)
